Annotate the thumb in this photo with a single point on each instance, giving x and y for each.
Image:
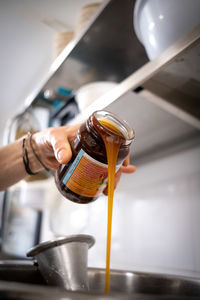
(63, 154)
(61, 147)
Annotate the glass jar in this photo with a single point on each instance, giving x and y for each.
(84, 178)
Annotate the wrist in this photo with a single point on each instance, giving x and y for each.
(34, 164)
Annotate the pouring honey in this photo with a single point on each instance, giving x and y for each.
(112, 144)
(99, 149)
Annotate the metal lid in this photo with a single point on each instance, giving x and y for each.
(82, 238)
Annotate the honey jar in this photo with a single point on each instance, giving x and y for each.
(84, 178)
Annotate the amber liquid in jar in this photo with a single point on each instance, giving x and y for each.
(84, 178)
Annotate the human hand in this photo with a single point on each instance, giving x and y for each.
(52, 145)
(53, 148)
(125, 168)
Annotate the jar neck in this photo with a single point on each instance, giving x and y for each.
(91, 127)
(107, 124)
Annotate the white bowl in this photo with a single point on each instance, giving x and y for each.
(88, 93)
(160, 23)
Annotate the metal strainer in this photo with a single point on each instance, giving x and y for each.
(63, 262)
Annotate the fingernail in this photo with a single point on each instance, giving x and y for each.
(61, 154)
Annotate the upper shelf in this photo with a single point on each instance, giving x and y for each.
(171, 81)
(108, 49)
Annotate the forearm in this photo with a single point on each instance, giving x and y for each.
(12, 168)
(52, 148)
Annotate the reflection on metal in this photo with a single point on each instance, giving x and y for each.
(125, 285)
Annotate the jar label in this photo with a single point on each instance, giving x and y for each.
(86, 176)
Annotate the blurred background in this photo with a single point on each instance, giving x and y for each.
(28, 31)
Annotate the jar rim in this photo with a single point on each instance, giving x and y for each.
(126, 130)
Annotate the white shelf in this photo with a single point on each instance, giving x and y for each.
(149, 76)
(165, 111)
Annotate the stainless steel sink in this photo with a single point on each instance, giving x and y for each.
(25, 278)
(129, 282)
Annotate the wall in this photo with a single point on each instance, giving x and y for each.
(25, 57)
(27, 32)
(156, 218)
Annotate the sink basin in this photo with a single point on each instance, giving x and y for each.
(24, 277)
(129, 282)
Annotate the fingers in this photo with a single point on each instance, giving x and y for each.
(62, 151)
(51, 163)
(105, 191)
(117, 179)
(60, 139)
(128, 169)
(126, 162)
(61, 146)
(53, 145)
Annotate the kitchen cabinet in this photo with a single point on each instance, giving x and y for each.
(160, 98)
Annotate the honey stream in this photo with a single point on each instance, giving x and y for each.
(112, 145)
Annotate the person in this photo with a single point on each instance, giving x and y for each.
(49, 148)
